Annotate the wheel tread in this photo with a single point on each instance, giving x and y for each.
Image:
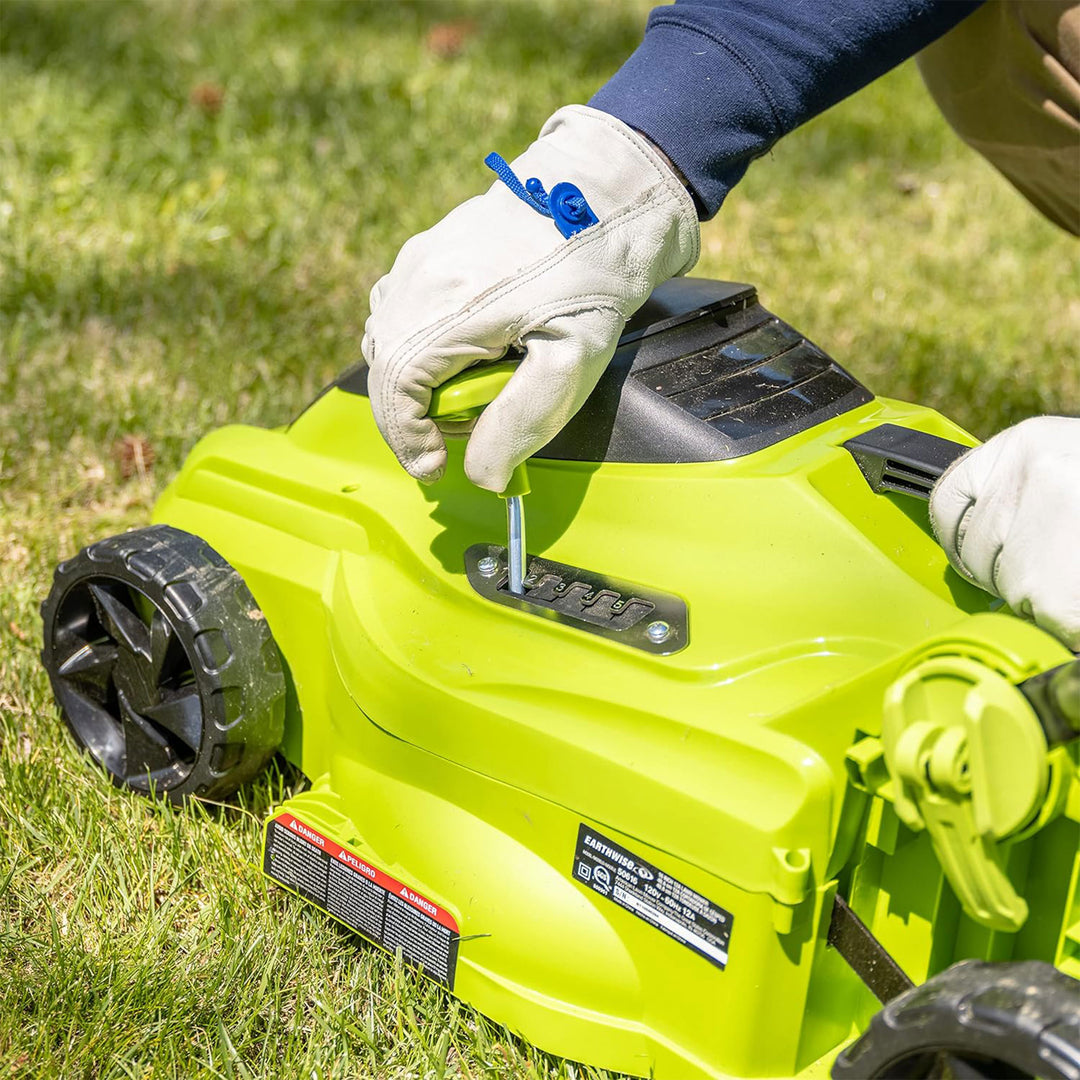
(1023, 1013)
(240, 674)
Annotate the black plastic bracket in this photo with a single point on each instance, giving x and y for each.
(894, 458)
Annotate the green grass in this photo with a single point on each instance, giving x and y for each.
(165, 267)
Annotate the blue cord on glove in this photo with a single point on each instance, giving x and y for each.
(566, 206)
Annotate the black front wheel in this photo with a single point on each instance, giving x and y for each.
(974, 1021)
(163, 665)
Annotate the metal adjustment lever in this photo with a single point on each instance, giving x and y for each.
(516, 555)
(465, 397)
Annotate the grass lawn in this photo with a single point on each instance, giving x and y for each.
(195, 198)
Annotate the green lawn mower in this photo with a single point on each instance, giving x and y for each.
(729, 775)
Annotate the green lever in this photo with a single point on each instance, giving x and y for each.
(464, 397)
(968, 760)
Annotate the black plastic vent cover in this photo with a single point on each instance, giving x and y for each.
(894, 458)
(702, 373)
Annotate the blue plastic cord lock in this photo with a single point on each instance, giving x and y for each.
(566, 206)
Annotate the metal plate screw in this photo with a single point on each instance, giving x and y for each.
(658, 632)
(488, 566)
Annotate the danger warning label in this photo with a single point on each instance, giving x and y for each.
(362, 897)
(652, 895)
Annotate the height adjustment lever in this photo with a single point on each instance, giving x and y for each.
(465, 397)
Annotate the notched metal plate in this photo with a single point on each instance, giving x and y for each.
(641, 617)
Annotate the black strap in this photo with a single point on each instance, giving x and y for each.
(866, 956)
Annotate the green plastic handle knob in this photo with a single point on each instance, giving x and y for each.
(465, 396)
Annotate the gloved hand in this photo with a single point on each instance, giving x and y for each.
(495, 272)
(1008, 516)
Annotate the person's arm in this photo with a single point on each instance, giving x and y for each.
(713, 85)
(716, 83)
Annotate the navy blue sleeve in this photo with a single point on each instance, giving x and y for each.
(716, 82)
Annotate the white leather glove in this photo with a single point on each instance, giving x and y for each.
(1008, 516)
(495, 272)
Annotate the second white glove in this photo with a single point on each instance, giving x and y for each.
(1008, 516)
(496, 272)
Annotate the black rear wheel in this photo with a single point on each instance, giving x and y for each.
(974, 1021)
(163, 665)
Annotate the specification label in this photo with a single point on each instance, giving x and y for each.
(657, 898)
(361, 896)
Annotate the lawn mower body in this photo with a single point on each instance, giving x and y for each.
(626, 844)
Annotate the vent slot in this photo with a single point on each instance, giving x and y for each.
(907, 479)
